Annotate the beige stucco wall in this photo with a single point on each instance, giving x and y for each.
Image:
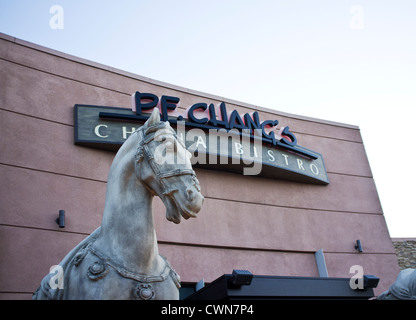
(267, 226)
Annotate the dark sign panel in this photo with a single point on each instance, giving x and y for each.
(250, 151)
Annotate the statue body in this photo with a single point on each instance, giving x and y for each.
(120, 259)
(404, 288)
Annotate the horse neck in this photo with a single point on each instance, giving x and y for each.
(127, 230)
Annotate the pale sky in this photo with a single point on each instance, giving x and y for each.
(347, 61)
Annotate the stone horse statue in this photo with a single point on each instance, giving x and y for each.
(404, 288)
(120, 259)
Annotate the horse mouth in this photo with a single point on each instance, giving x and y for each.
(182, 212)
(187, 210)
(186, 214)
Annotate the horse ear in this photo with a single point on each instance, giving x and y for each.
(154, 118)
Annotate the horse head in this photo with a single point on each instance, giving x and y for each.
(163, 165)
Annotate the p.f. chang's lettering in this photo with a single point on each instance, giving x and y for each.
(249, 122)
(204, 116)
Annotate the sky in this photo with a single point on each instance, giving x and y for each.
(349, 61)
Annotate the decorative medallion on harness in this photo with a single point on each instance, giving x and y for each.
(97, 270)
(144, 291)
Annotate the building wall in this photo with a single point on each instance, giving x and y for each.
(268, 226)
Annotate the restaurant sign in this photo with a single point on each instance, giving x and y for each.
(217, 139)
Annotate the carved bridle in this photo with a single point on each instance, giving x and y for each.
(147, 135)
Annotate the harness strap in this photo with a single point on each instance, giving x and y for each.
(135, 276)
(143, 151)
(175, 172)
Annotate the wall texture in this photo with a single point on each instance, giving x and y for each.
(267, 226)
(406, 252)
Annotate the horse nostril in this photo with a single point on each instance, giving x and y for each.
(190, 194)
